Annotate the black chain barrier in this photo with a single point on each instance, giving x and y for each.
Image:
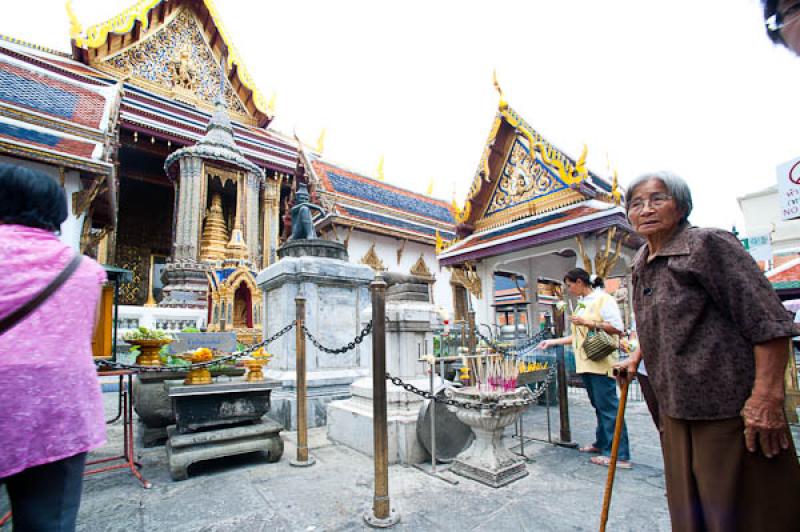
(535, 339)
(397, 381)
(349, 347)
(197, 365)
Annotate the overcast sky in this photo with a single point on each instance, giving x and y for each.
(687, 85)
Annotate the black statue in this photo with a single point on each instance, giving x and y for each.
(302, 224)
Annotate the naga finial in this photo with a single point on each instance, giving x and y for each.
(321, 142)
(379, 171)
(75, 28)
(222, 76)
(503, 103)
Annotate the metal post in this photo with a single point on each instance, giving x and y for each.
(116, 319)
(382, 514)
(303, 459)
(432, 406)
(565, 436)
(471, 332)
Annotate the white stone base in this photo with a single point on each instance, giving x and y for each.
(350, 421)
(322, 387)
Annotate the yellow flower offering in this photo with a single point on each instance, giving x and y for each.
(202, 354)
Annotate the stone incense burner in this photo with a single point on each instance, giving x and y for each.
(487, 460)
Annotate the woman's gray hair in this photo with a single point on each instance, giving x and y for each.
(675, 185)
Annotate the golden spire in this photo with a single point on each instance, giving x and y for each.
(379, 171)
(271, 104)
(580, 165)
(615, 193)
(75, 28)
(503, 104)
(215, 232)
(321, 141)
(429, 190)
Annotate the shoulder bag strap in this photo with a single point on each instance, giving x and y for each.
(22, 312)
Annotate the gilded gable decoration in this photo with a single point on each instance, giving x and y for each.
(420, 268)
(468, 278)
(372, 259)
(176, 59)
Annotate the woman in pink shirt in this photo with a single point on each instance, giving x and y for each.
(51, 408)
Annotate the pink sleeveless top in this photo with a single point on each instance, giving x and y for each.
(51, 405)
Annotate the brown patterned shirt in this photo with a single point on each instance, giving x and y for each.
(701, 305)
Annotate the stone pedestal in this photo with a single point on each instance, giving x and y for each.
(153, 405)
(184, 450)
(337, 293)
(487, 460)
(219, 420)
(409, 325)
(185, 284)
(202, 406)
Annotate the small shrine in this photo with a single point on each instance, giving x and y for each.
(531, 214)
(217, 230)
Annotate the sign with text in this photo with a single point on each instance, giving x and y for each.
(221, 341)
(759, 247)
(789, 189)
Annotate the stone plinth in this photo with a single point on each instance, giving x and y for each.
(185, 284)
(203, 406)
(153, 405)
(409, 325)
(184, 450)
(337, 294)
(313, 248)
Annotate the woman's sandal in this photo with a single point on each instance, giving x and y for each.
(589, 449)
(606, 461)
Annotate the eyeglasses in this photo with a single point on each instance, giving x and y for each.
(779, 20)
(656, 200)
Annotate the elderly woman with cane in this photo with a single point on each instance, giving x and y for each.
(715, 338)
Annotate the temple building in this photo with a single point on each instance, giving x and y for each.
(382, 225)
(167, 158)
(531, 214)
(163, 144)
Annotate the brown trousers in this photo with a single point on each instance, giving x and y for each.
(714, 483)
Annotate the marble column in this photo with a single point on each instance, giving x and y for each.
(270, 212)
(251, 222)
(187, 230)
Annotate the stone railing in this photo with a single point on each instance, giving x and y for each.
(165, 319)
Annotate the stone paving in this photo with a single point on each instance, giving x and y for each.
(563, 491)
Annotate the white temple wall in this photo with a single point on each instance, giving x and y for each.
(71, 228)
(386, 248)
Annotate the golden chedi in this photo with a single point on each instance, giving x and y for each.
(215, 233)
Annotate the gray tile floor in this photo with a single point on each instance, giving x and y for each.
(563, 491)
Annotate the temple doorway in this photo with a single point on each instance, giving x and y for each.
(242, 307)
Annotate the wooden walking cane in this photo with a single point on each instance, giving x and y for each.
(612, 466)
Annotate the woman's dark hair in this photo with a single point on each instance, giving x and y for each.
(30, 197)
(579, 274)
(771, 10)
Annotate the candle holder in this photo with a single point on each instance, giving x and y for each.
(198, 375)
(149, 351)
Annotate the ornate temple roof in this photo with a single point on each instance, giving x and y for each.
(560, 224)
(148, 29)
(217, 144)
(353, 199)
(527, 192)
(53, 118)
(140, 110)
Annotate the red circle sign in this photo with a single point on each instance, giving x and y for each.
(794, 173)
